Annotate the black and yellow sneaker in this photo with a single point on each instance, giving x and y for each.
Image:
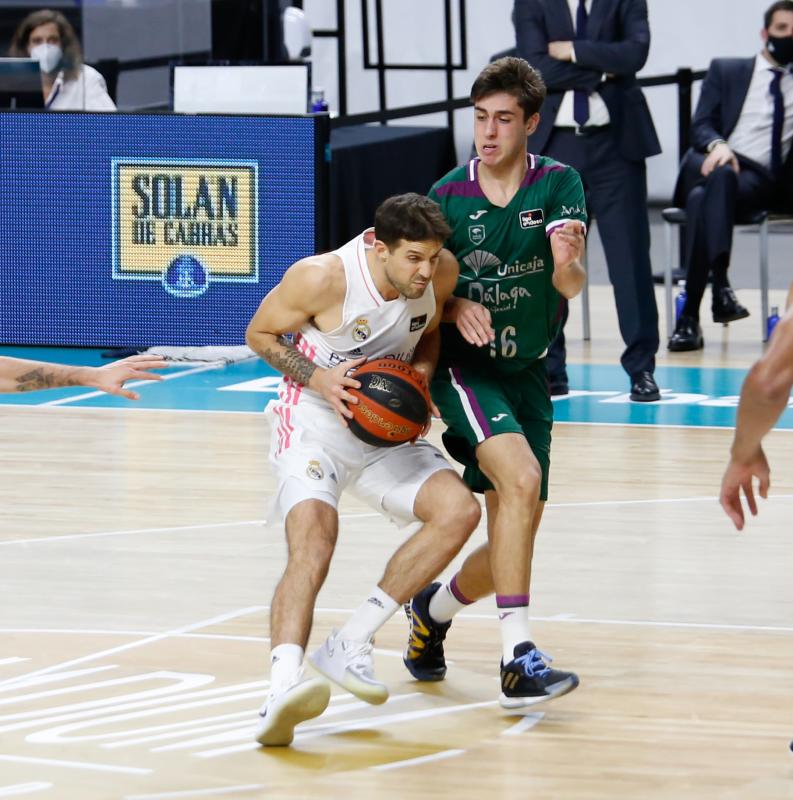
(528, 680)
(424, 653)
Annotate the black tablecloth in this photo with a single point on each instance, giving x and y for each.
(371, 162)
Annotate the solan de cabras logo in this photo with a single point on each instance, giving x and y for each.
(185, 223)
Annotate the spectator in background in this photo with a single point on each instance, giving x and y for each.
(596, 120)
(67, 83)
(740, 163)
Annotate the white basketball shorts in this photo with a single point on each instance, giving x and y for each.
(315, 457)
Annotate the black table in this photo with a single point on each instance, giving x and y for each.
(372, 162)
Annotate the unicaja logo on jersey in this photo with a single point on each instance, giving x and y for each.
(361, 332)
(478, 259)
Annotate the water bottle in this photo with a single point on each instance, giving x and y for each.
(771, 322)
(319, 104)
(680, 300)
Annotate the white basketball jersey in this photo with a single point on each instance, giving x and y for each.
(370, 325)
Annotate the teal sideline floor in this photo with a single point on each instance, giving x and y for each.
(692, 396)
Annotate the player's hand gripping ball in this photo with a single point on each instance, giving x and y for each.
(393, 403)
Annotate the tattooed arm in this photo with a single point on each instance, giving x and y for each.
(21, 375)
(311, 291)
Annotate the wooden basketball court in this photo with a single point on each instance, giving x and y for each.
(135, 574)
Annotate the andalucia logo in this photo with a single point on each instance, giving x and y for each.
(185, 223)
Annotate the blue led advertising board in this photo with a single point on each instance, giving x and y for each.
(150, 229)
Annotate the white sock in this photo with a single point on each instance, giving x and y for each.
(445, 603)
(369, 617)
(514, 629)
(286, 661)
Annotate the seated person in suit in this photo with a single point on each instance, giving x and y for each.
(67, 83)
(740, 163)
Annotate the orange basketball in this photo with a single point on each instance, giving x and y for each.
(393, 403)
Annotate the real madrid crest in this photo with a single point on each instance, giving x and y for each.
(314, 470)
(361, 331)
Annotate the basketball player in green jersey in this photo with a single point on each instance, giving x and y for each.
(518, 226)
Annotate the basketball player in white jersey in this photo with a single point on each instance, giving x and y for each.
(379, 295)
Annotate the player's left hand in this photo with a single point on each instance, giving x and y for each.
(561, 50)
(112, 377)
(569, 243)
(739, 478)
(434, 412)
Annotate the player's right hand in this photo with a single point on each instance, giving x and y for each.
(333, 384)
(473, 321)
(739, 478)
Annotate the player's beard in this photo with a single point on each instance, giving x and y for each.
(408, 290)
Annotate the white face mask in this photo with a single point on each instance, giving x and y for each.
(48, 56)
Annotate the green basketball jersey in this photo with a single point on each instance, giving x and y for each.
(505, 257)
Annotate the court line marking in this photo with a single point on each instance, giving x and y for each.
(88, 632)
(137, 409)
(362, 723)
(241, 612)
(13, 660)
(246, 732)
(568, 618)
(665, 426)
(362, 515)
(176, 730)
(412, 762)
(133, 531)
(170, 376)
(249, 787)
(24, 788)
(526, 724)
(87, 765)
(238, 412)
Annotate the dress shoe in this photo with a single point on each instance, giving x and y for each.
(726, 307)
(559, 388)
(558, 385)
(644, 389)
(687, 335)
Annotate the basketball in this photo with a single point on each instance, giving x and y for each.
(393, 403)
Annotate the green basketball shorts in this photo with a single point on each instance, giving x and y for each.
(476, 404)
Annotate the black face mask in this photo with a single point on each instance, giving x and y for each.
(781, 49)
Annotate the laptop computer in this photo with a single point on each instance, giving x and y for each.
(20, 83)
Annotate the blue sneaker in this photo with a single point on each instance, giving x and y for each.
(528, 680)
(424, 653)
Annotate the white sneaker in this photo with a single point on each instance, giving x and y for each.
(349, 664)
(284, 709)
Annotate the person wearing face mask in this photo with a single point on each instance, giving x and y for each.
(741, 162)
(67, 83)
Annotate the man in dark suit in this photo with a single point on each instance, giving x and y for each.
(740, 163)
(596, 119)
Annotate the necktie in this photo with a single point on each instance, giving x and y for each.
(581, 96)
(778, 121)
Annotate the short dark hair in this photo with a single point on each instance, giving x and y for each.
(70, 44)
(780, 5)
(514, 76)
(412, 217)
